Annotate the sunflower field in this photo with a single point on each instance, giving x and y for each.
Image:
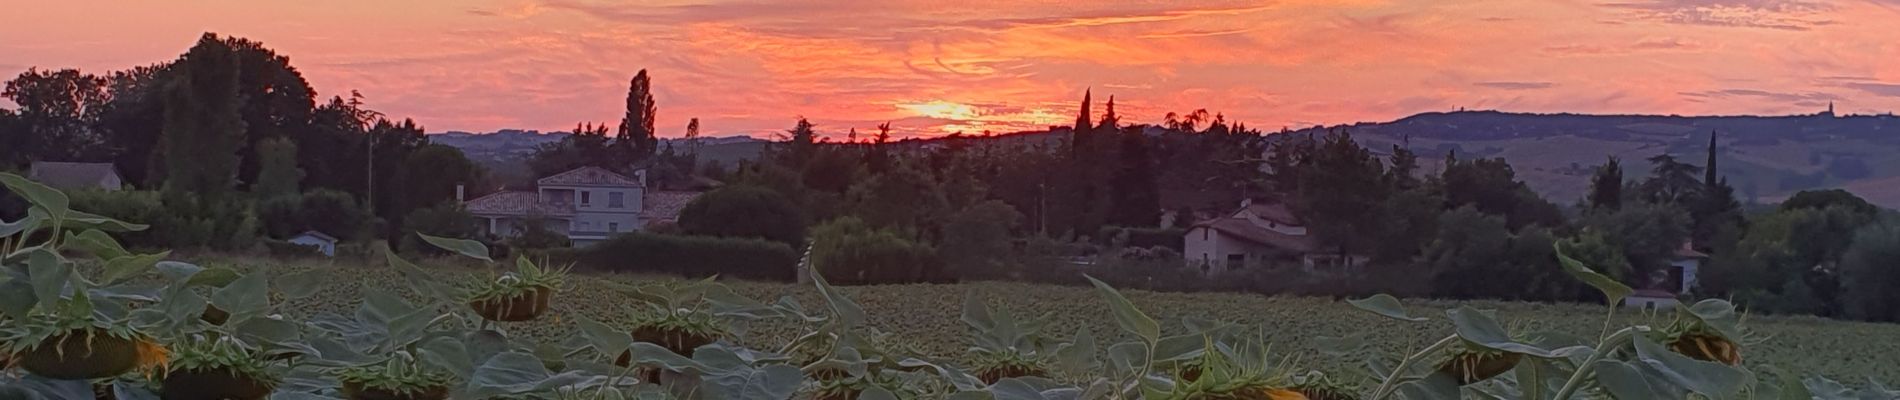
(81, 317)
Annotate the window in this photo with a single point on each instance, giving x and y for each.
(616, 200)
(613, 226)
(585, 199)
(1235, 261)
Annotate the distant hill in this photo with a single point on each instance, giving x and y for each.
(1766, 158)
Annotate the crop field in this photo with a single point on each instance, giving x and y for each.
(926, 317)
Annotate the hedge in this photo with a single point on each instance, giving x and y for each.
(689, 256)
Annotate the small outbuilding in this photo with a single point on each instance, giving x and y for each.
(1652, 299)
(325, 244)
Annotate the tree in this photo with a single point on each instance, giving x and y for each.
(1606, 186)
(904, 198)
(133, 122)
(1870, 270)
(279, 175)
(1137, 200)
(429, 176)
(1341, 190)
(447, 219)
(977, 239)
(1820, 199)
(1465, 253)
(744, 211)
(1082, 127)
(1647, 234)
(587, 145)
(636, 141)
(803, 142)
(55, 112)
(1671, 182)
(1404, 169)
(849, 252)
(203, 127)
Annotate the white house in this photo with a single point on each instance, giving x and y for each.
(1651, 299)
(77, 176)
(588, 204)
(325, 244)
(1683, 268)
(1258, 234)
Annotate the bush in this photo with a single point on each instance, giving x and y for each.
(332, 212)
(690, 256)
(850, 252)
(445, 220)
(1144, 237)
(129, 206)
(744, 211)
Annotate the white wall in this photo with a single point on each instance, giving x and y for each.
(1205, 246)
(323, 246)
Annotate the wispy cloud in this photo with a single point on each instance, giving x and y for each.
(1795, 15)
(1515, 85)
(1878, 89)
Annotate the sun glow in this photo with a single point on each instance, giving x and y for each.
(942, 109)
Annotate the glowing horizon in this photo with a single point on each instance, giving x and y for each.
(930, 69)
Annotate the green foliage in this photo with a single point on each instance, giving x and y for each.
(1821, 199)
(1475, 256)
(743, 211)
(526, 278)
(692, 256)
(332, 212)
(1648, 235)
(447, 219)
(1606, 186)
(902, 198)
(428, 177)
(279, 175)
(977, 238)
(203, 127)
(1870, 270)
(851, 252)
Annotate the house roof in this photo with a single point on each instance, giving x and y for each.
(665, 205)
(315, 234)
(1687, 252)
(71, 175)
(1273, 211)
(1241, 229)
(516, 203)
(588, 176)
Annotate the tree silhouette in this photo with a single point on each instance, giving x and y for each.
(203, 127)
(635, 140)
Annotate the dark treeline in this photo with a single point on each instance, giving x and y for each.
(235, 143)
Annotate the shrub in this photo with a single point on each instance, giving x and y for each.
(691, 256)
(744, 211)
(447, 220)
(1117, 236)
(140, 207)
(848, 251)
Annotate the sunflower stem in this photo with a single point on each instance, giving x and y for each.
(1391, 381)
(1589, 364)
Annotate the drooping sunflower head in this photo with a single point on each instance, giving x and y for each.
(1469, 364)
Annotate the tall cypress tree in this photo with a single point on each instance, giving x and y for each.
(635, 139)
(1606, 186)
(1082, 118)
(203, 127)
(1708, 170)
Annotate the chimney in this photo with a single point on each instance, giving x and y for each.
(459, 191)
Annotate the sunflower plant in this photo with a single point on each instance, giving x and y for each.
(63, 324)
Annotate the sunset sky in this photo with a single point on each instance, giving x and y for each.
(935, 66)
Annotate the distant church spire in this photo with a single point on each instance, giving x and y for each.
(1830, 109)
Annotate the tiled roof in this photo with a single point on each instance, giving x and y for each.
(1687, 251)
(516, 203)
(666, 205)
(592, 176)
(71, 175)
(1276, 212)
(1240, 228)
